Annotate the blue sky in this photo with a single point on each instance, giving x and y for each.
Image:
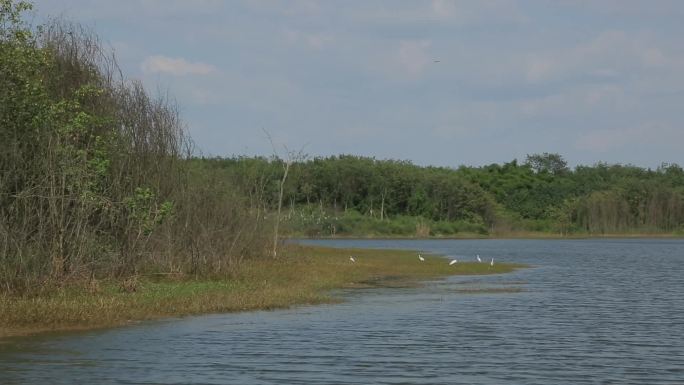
(435, 82)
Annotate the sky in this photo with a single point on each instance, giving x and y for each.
(440, 82)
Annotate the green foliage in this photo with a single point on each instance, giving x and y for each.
(547, 163)
(12, 27)
(94, 175)
(349, 195)
(145, 211)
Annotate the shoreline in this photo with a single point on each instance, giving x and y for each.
(304, 275)
(525, 235)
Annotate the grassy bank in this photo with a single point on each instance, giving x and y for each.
(303, 275)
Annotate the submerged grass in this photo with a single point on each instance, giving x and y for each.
(302, 275)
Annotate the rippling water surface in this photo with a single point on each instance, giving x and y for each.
(587, 312)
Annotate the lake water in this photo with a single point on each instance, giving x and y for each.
(587, 312)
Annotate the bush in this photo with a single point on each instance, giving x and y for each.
(95, 174)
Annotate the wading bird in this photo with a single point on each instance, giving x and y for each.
(453, 261)
(492, 262)
(352, 259)
(478, 258)
(421, 258)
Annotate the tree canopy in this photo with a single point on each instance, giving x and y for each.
(542, 194)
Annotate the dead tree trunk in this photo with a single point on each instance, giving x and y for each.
(286, 166)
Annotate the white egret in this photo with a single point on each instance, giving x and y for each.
(478, 258)
(352, 259)
(492, 262)
(453, 261)
(421, 258)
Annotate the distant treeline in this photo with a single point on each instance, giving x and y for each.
(365, 196)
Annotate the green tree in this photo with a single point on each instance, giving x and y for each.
(547, 162)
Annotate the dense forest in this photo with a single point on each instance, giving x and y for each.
(352, 195)
(99, 179)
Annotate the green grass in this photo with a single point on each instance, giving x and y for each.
(302, 275)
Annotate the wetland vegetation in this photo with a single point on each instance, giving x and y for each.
(301, 275)
(108, 213)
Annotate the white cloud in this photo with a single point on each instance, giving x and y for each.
(199, 7)
(288, 8)
(403, 60)
(630, 8)
(468, 118)
(519, 76)
(443, 8)
(654, 133)
(454, 12)
(176, 66)
(609, 54)
(315, 41)
(469, 12)
(579, 100)
(607, 139)
(130, 10)
(412, 56)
